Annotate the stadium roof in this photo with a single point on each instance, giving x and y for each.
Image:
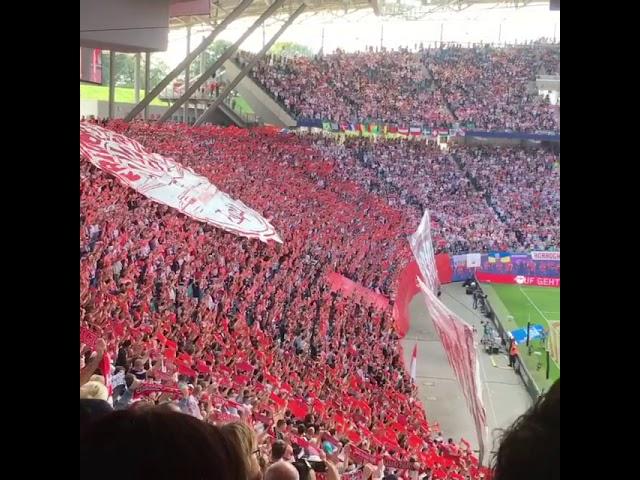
(411, 9)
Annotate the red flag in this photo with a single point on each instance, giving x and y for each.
(241, 380)
(88, 338)
(298, 408)
(354, 436)
(414, 441)
(270, 379)
(189, 372)
(300, 441)
(245, 366)
(318, 405)
(118, 328)
(457, 339)
(281, 402)
(186, 358)
(105, 367)
(203, 367)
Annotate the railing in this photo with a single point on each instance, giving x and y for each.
(207, 96)
(247, 118)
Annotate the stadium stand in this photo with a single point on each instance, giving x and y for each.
(482, 86)
(250, 331)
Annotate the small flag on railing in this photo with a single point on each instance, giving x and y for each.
(414, 361)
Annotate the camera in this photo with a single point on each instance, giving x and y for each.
(304, 466)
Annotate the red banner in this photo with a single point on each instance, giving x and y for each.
(443, 266)
(149, 388)
(355, 475)
(360, 456)
(407, 288)
(523, 280)
(225, 418)
(349, 288)
(399, 464)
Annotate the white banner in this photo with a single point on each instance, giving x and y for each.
(456, 336)
(422, 248)
(169, 183)
(545, 256)
(474, 260)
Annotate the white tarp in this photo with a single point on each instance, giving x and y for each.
(169, 183)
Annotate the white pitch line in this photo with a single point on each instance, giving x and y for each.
(534, 305)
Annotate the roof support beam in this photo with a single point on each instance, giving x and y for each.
(218, 63)
(250, 65)
(149, 96)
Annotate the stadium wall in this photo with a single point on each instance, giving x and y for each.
(518, 279)
(497, 264)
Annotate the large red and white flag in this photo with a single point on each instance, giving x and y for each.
(414, 361)
(456, 336)
(170, 183)
(422, 248)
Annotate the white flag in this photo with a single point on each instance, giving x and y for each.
(170, 183)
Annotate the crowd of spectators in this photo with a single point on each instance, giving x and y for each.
(489, 87)
(480, 197)
(417, 175)
(523, 186)
(227, 329)
(486, 87)
(385, 86)
(185, 317)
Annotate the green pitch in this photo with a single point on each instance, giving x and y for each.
(516, 305)
(127, 95)
(123, 95)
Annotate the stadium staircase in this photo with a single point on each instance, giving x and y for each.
(436, 84)
(267, 109)
(226, 114)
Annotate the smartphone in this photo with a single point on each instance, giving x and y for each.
(319, 467)
(304, 464)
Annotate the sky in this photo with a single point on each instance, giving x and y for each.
(355, 31)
